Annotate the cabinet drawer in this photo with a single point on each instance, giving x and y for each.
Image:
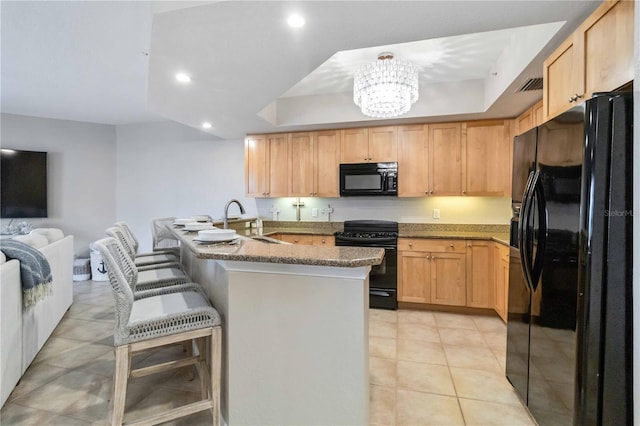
(297, 239)
(432, 245)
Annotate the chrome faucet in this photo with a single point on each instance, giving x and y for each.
(226, 211)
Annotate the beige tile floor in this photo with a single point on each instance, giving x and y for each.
(427, 368)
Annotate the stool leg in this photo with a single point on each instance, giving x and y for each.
(215, 371)
(120, 378)
(202, 367)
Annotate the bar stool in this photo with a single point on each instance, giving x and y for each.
(162, 238)
(158, 320)
(147, 261)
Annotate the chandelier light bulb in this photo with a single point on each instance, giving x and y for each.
(386, 88)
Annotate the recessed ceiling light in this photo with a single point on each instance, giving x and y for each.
(183, 78)
(206, 125)
(295, 21)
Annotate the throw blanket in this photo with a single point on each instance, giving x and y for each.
(35, 271)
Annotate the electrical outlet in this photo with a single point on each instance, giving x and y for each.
(436, 213)
(314, 212)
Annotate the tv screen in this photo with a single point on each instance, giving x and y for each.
(23, 184)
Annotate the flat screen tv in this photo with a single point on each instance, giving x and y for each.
(23, 184)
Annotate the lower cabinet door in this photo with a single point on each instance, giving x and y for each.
(448, 279)
(414, 276)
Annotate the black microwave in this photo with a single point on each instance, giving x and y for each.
(369, 179)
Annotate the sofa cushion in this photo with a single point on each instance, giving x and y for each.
(52, 234)
(37, 241)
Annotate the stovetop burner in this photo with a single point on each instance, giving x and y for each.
(367, 235)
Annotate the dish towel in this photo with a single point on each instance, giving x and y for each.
(35, 271)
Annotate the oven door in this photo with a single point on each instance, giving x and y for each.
(383, 281)
(383, 278)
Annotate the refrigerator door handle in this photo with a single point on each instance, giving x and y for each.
(536, 264)
(523, 231)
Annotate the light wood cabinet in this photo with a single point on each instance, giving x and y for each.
(278, 166)
(501, 272)
(431, 271)
(597, 57)
(414, 277)
(323, 240)
(354, 145)
(529, 119)
(315, 160)
(480, 274)
(375, 144)
(304, 239)
(445, 158)
(413, 160)
(297, 239)
(487, 158)
(327, 164)
(430, 159)
(255, 165)
(302, 164)
(267, 165)
(448, 279)
(524, 122)
(537, 113)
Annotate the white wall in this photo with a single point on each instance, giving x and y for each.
(81, 173)
(167, 169)
(479, 210)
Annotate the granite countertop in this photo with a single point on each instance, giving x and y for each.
(246, 249)
(498, 233)
(500, 237)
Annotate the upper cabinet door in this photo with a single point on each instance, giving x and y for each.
(487, 158)
(279, 165)
(608, 47)
(255, 165)
(413, 156)
(327, 164)
(383, 144)
(561, 79)
(354, 145)
(445, 158)
(597, 57)
(302, 163)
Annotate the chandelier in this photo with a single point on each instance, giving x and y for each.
(386, 88)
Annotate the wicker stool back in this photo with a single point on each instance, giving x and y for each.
(176, 315)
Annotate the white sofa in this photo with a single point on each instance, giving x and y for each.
(23, 331)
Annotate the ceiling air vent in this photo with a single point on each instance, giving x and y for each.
(531, 84)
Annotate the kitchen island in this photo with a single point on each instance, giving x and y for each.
(295, 324)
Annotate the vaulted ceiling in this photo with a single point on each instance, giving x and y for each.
(115, 62)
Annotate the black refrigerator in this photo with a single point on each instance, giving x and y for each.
(569, 335)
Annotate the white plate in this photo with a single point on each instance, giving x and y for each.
(214, 241)
(183, 221)
(197, 226)
(217, 234)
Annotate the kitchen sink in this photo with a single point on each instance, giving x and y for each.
(268, 240)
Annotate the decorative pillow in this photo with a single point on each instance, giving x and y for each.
(3, 258)
(37, 241)
(52, 234)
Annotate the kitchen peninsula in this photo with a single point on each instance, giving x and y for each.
(295, 318)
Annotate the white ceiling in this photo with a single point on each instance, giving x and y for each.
(87, 61)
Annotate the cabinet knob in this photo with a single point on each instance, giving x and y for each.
(574, 98)
(323, 241)
(410, 244)
(469, 245)
(311, 193)
(451, 245)
(464, 192)
(426, 192)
